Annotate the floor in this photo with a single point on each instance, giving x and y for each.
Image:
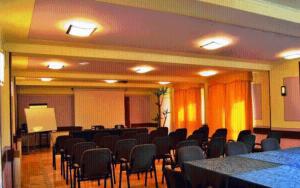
(37, 172)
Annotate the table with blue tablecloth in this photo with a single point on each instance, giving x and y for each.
(278, 169)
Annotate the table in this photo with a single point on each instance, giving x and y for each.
(266, 169)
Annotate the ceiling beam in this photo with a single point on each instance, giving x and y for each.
(149, 57)
(96, 76)
(81, 84)
(255, 14)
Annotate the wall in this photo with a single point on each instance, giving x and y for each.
(262, 79)
(278, 73)
(139, 109)
(63, 105)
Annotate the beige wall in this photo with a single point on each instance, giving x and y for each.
(262, 78)
(278, 73)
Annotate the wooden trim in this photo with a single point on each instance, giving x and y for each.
(284, 133)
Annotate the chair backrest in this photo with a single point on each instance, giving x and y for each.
(186, 143)
(68, 146)
(163, 131)
(216, 147)
(220, 133)
(123, 148)
(235, 148)
(98, 137)
(157, 133)
(197, 136)
(249, 141)
(128, 134)
(108, 142)
(97, 127)
(243, 133)
(174, 178)
(162, 146)
(119, 126)
(190, 153)
(79, 148)
(270, 144)
(142, 156)
(60, 141)
(205, 131)
(181, 133)
(276, 135)
(95, 163)
(142, 138)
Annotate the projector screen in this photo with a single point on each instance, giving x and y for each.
(99, 107)
(40, 119)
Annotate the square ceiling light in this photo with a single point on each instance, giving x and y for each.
(208, 73)
(81, 29)
(291, 54)
(214, 43)
(142, 69)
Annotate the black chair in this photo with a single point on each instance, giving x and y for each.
(163, 131)
(128, 134)
(108, 142)
(199, 137)
(98, 136)
(142, 160)
(181, 144)
(163, 152)
(78, 150)
(215, 148)
(57, 149)
(242, 134)
(220, 133)
(235, 148)
(205, 131)
(142, 138)
(174, 178)
(176, 137)
(270, 144)
(97, 127)
(95, 164)
(160, 132)
(189, 153)
(68, 153)
(276, 135)
(249, 141)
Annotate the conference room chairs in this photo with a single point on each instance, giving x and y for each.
(163, 152)
(276, 135)
(68, 152)
(159, 132)
(57, 149)
(141, 160)
(128, 134)
(95, 164)
(108, 141)
(98, 136)
(215, 147)
(249, 141)
(78, 150)
(235, 148)
(270, 144)
(181, 144)
(242, 134)
(204, 130)
(142, 138)
(220, 133)
(190, 153)
(176, 137)
(199, 137)
(97, 127)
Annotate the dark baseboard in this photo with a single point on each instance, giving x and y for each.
(283, 133)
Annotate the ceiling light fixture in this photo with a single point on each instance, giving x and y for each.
(111, 81)
(84, 63)
(164, 83)
(46, 79)
(208, 73)
(142, 69)
(214, 43)
(81, 28)
(55, 65)
(291, 54)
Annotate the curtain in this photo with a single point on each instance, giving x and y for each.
(216, 107)
(187, 109)
(230, 104)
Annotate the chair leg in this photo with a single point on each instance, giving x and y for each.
(155, 176)
(120, 177)
(54, 159)
(78, 179)
(138, 175)
(146, 175)
(67, 173)
(70, 174)
(74, 178)
(128, 180)
(98, 182)
(104, 182)
(111, 181)
(113, 173)
(163, 172)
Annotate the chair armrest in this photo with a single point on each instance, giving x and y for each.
(75, 165)
(123, 160)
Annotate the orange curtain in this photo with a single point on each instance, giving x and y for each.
(238, 107)
(216, 107)
(230, 104)
(187, 109)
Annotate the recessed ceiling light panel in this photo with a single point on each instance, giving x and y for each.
(111, 81)
(291, 54)
(55, 65)
(164, 83)
(84, 63)
(208, 73)
(214, 43)
(81, 28)
(46, 79)
(142, 69)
